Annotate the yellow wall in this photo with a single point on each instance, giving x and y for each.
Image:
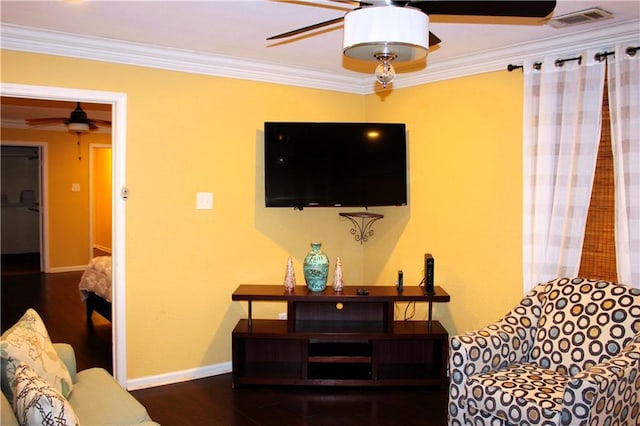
(465, 150)
(189, 133)
(68, 211)
(101, 191)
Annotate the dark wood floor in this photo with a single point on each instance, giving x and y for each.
(56, 298)
(212, 400)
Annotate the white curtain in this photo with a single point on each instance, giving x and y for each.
(562, 123)
(624, 105)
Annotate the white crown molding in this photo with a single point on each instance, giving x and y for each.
(497, 59)
(34, 40)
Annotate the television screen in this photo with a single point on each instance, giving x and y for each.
(335, 164)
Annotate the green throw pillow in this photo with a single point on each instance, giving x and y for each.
(28, 341)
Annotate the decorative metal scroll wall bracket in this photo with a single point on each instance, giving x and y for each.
(362, 230)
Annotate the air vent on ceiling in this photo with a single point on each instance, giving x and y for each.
(581, 17)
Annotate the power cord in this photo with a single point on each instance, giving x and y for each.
(410, 309)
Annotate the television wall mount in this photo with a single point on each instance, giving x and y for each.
(362, 222)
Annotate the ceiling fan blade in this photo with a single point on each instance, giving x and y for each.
(308, 28)
(99, 122)
(517, 8)
(43, 121)
(433, 39)
(77, 116)
(353, 2)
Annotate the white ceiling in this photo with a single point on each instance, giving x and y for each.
(227, 37)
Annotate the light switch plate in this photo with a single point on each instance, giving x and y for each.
(75, 187)
(204, 200)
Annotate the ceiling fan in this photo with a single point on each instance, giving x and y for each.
(78, 121)
(398, 30)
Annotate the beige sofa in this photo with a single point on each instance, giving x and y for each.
(40, 384)
(97, 399)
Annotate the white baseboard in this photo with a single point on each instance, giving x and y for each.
(179, 376)
(102, 248)
(67, 269)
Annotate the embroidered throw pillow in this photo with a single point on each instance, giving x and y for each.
(28, 341)
(37, 403)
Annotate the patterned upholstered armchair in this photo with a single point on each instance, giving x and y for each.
(568, 354)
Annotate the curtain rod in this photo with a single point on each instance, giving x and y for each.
(600, 56)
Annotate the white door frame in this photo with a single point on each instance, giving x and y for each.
(118, 102)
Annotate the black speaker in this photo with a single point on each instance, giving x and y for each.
(428, 273)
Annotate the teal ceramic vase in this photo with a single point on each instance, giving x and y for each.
(316, 268)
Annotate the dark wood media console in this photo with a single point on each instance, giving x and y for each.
(342, 339)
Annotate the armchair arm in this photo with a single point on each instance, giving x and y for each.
(606, 393)
(496, 346)
(68, 356)
(502, 343)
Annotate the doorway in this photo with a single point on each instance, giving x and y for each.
(22, 178)
(118, 103)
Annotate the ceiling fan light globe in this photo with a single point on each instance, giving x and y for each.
(78, 127)
(385, 73)
(402, 31)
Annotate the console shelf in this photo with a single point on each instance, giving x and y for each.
(341, 339)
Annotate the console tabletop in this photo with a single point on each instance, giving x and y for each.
(301, 293)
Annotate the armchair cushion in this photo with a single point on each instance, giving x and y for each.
(99, 400)
(520, 393)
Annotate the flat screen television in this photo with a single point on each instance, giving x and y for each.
(335, 164)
